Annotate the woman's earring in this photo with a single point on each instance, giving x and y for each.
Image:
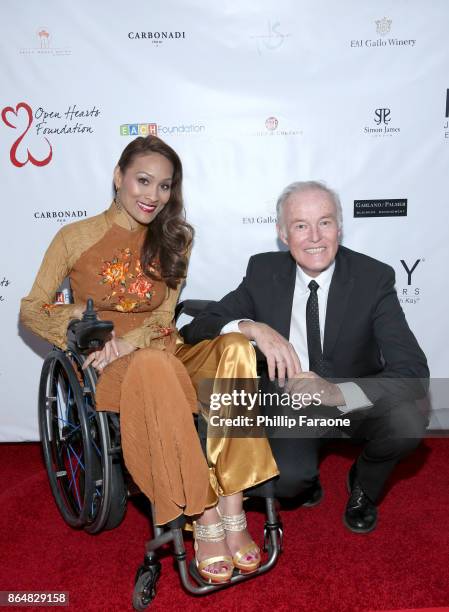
(117, 200)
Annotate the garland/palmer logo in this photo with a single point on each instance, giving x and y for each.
(48, 123)
(381, 208)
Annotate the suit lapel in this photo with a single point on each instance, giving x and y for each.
(339, 292)
(284, 288)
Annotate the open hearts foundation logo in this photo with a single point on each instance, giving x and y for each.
(10, 117)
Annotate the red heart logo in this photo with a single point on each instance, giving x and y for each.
(9, 109)
(30, 157)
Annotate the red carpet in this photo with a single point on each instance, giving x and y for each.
(403, 564)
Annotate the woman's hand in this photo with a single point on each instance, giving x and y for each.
(112, 350)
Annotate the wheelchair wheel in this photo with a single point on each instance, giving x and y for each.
(145, 587)
(64, 431)
(110, 495)
(80, 450)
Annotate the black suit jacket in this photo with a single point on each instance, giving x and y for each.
(366, 335)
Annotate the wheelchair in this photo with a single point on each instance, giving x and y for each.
(88, 479)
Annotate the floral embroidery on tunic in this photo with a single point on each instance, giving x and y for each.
(131, 288)
(47, 308)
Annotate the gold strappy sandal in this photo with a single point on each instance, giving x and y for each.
(212, 533)
(238, 523)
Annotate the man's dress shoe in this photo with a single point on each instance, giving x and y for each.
(361, 514)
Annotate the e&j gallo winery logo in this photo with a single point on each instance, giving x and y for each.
(35, 126)
(381, 124)
(384, 38)
(157, 37)
(265, 215)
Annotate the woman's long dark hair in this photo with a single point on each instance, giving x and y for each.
(169, 236)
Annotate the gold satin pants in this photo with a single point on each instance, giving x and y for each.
(152, 389)
(235, 463)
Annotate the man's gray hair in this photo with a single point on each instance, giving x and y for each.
(300, 187)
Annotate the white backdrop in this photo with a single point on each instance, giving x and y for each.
(252, 95)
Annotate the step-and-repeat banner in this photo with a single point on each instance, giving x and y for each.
(252, 95)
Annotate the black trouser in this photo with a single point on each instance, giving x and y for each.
(388, 432)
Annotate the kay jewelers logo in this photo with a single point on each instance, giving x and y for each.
(409, 292)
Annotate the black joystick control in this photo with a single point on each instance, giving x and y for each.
(90, 314)
(89, 333)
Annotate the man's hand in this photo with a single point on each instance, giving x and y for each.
(309, 382)
(112, 350)
(280, 354)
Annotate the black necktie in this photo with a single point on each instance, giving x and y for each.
(313, 331)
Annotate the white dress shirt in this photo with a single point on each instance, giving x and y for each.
(355, 398)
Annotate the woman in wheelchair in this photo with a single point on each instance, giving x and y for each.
(131, 260)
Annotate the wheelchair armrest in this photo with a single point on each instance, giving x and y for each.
(190, 307)
(89, 335)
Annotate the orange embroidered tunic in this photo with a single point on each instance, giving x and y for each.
(101, 257)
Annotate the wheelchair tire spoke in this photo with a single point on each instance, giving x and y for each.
(73, 480)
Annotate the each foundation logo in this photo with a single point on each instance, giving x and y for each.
(271, 39)
(446, 123)
(138, 129)
(381, 125)
(155, 129)
(45, 43)
(275, 127)
(408, 277)
(33, 127)
(384, 38)
(157, 37)
(383, 26)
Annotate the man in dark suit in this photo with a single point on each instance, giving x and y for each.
(322, 311)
